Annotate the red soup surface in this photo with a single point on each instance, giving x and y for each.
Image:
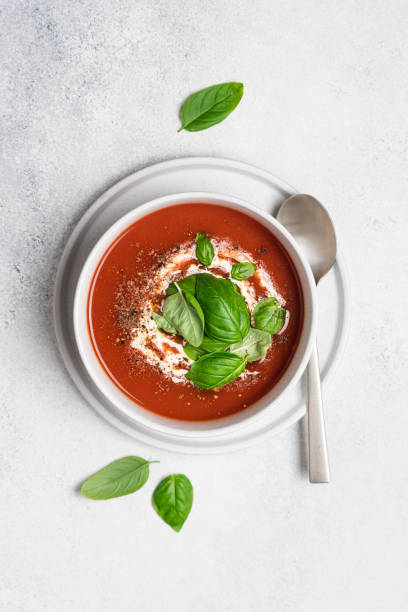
(130, 282)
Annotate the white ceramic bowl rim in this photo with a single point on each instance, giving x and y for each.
(225, 425)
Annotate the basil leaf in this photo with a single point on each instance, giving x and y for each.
(210, 106)
(269, 316)
(173, 499)
(163, 323)
(241, 271)
(195, 305)
(121, 477)
(226, 316)
(204, 249)
(186, 284)
(254, 346)
(189, 323)
(216, 369)
(194, 352)
(208, 345)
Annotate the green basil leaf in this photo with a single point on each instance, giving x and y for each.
(254, 346)
(194, 352)
(241, 271)
(121, 477)
(185, 284)
(204, 249)
(210, 106)
(216, 369)
(189, 323)
(163, 323)
(173, 499)
(195, 305)
(208, 345)
(269, 316)
(226, 315)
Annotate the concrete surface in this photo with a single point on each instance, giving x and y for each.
(90, 92)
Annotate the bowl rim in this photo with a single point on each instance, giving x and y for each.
(128, 406)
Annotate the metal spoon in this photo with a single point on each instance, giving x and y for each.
(309, 223)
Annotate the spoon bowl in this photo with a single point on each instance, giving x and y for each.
(311, 226)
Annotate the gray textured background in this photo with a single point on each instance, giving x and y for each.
(90, 91)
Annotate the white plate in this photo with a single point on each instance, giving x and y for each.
(191, 174)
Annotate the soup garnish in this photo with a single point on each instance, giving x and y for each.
(205, 304)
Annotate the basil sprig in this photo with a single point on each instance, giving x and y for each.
(212, 316)
(208, 345)
(187, 317)
(216, 369)
(194, 352)
(163, 323)
(254, 346)
(210, 106)
(225, 312)
(204, 249)
(122, 477)
(195, 305)
(267, 315)
(186, 284)
(243, 270)
(173, 500)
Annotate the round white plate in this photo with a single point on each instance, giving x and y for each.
(180, 175)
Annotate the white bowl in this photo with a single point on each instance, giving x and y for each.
(227, 424)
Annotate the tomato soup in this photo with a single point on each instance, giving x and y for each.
(130, 282)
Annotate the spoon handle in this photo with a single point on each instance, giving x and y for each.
(318, 458)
